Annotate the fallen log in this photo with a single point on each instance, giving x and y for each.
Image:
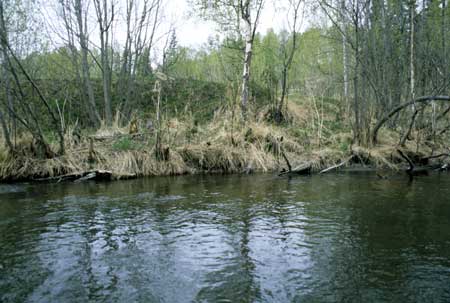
(89, 176)
(336, 166)
(98, 175)
(303, 169)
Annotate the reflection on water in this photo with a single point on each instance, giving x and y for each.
(260, 238)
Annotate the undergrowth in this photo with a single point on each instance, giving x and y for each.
(226, 143)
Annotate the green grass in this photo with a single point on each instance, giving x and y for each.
(125, 144)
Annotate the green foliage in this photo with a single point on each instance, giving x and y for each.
(202, 80)
(318, 57)
(126, 143)
(267, 63)
(344, 147)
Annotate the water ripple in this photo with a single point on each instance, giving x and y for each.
(226, 239)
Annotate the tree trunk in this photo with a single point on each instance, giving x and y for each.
(93, 112)
(6, 132)
(288, 58)
(10, 105)
(247, 63)
(104, 21)
(444, 45)
(344, 53)
(283, 92)
(106, 86)
(411, 50)
(357, 127)
(36, 131)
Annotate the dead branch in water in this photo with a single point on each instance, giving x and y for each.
(303, 169)
(286, 159)
(336, 166)
(98, 175)
(412, 170)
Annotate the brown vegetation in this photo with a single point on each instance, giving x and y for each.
(222, 145)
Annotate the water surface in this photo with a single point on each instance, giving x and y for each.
(259, 238)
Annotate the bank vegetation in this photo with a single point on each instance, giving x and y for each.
(106, 87)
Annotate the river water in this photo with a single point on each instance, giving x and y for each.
(258, 238)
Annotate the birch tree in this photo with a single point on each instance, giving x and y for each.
(240, 17)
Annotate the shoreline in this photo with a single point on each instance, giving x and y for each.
(41, 174)
(224, 145)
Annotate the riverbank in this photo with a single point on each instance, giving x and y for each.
(223, 145)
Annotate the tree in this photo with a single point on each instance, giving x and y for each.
(242, 17)
(30, 120)
(74, 18)
(289, 47)
(266, 65)
(140, 36)
(356, 12)
(105, 13)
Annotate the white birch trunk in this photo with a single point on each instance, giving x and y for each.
(247, 62)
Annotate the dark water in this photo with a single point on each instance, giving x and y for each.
(334, 238)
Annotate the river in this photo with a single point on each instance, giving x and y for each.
(258, 238)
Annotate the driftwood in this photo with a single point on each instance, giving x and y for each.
(395, 110)
(98, 175)
(336, 166)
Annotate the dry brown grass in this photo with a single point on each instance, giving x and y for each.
(225, 144)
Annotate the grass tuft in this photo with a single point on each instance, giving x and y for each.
(225, 144)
